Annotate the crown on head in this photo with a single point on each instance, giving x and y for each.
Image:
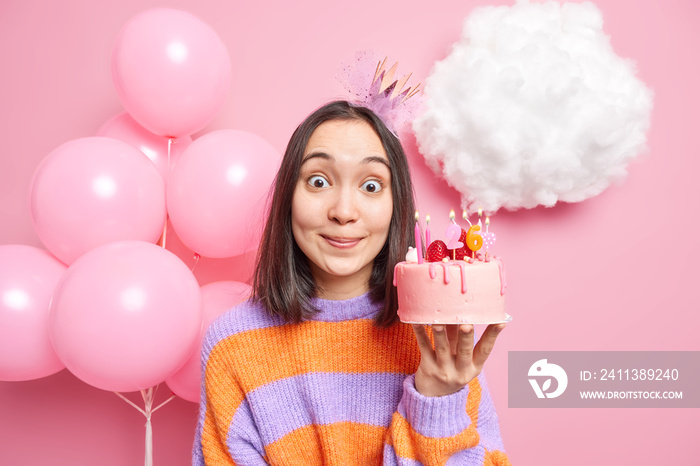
(372, 85)
(393, 91)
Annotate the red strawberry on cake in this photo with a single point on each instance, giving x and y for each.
(437, 251)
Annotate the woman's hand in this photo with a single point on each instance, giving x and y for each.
(455, 361)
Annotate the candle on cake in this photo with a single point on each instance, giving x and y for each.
(466, 217)
(419, 248)
(474, 240)
(452, 235)
(427, 231)
(489, 239)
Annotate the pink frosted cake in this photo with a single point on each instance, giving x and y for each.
(452, 291)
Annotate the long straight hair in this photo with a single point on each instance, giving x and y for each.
(283, 280)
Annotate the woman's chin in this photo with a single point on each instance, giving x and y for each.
(344, 272)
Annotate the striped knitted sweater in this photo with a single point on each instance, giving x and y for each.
(335, 390)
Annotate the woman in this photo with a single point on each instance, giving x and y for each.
(315, 368)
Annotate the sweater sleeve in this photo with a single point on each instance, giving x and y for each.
(226, 432)
(461, 428)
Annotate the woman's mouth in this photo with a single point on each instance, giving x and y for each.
(340, 242)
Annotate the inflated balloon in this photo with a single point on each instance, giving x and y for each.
(217, 190)
(125, 128)
(28, 277)
(126, 316)
(171, 70)
(217, 298)
(92, 191)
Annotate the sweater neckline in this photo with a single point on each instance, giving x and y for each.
(345, 309)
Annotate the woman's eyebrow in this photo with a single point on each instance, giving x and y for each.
(375, 158)
(313, 155)
(366, 160)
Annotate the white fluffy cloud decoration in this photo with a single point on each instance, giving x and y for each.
(531, 107)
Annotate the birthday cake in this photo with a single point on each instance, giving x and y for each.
(452, 285)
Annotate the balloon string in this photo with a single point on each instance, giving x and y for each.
(130, 402)
(148, 398)
(167, 172)
(161, 243)
(196, 261)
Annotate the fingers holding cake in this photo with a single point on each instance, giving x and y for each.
(422, 338)
(465, 351)
(437, 373)
(452, 360)
(485, 345)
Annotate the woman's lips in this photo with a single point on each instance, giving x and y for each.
(342, 243)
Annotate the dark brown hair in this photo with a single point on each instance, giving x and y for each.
(283, 282)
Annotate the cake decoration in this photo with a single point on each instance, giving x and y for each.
(412, 255)
(457, 283)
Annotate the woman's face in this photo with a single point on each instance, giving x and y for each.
(342, 206)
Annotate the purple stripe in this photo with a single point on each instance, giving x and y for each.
(348, 309)
(487, 424)
(243, 442)
(390, 458)
(474, 455)
(434, 417)
(197, 454)
(471, 456)
(322, 398)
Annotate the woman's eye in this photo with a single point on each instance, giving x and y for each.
(372, 186)
(318, 182)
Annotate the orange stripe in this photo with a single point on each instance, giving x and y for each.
(496, 458)
(224, 396)
(340, 444)
(408, 443)
(352, 347)
(213, 449)
(473, 400)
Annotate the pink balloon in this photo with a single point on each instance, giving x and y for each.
(125, 128)
(217, 298)
(92, 191)
(171, 70)
(28, 277)
(125, 316)
(217, 192)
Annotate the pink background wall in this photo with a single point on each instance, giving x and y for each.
(611, 273)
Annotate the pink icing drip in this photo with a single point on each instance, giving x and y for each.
(445, 272)
(431, 269)
(464, 276)
(395, 269)
(502, 272)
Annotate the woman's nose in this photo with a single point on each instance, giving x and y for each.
(344, 208)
